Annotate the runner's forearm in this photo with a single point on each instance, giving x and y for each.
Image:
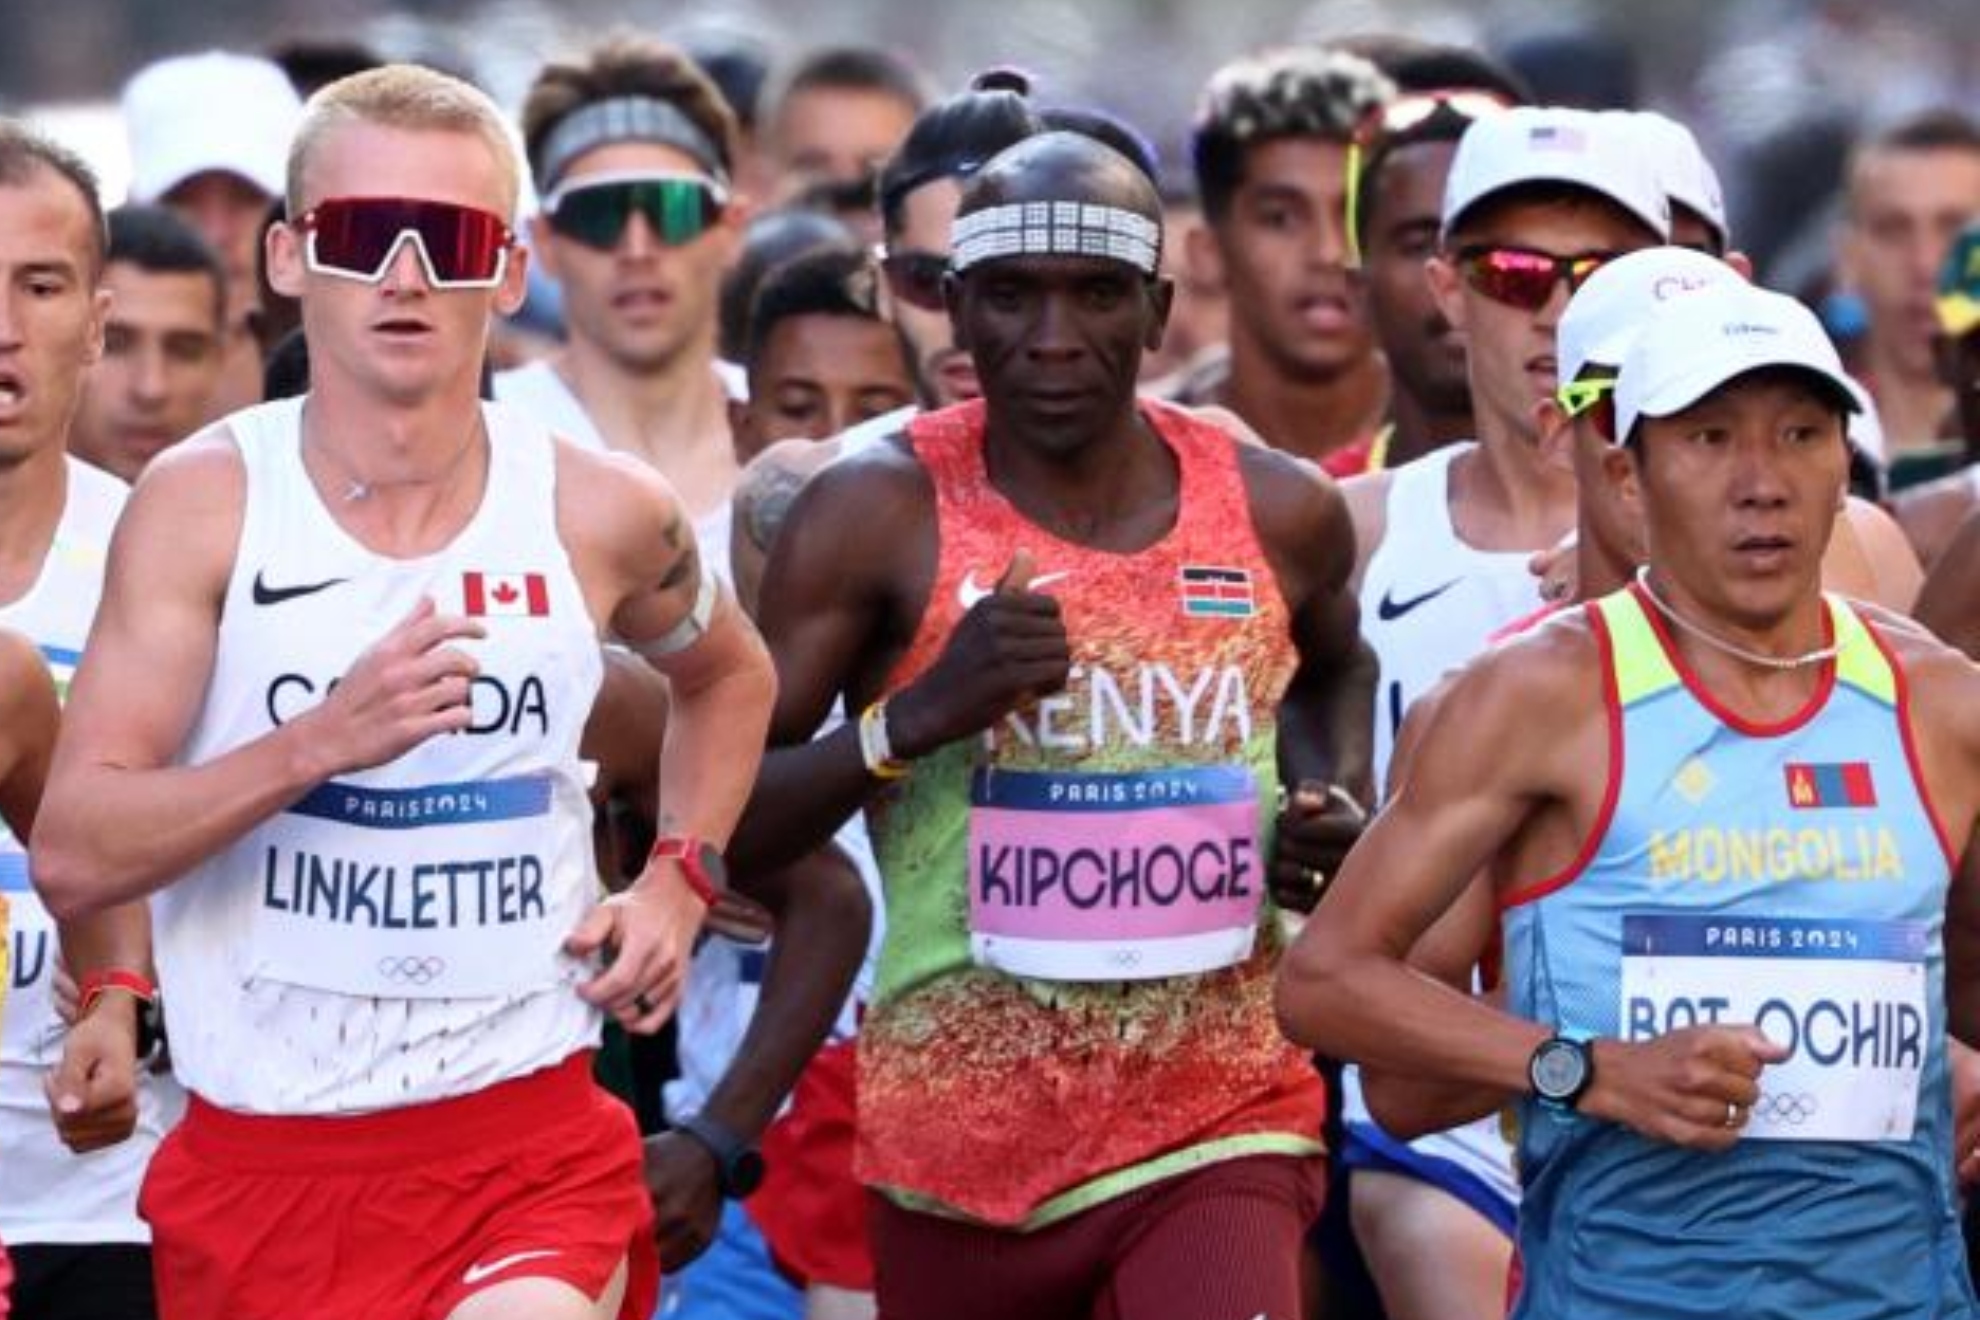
(823, 917)
(117, 938)
(1409, 1106)
(1385, 1015)
(803, 794)
(108, 835)
(714, 742)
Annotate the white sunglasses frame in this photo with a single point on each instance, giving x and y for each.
(409, 234)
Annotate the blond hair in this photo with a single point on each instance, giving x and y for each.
(407, 96)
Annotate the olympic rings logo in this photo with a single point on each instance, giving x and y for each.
(412, 969)
(1786, 1108)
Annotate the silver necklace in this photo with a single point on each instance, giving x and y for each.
(1733, 649)
(356, 488)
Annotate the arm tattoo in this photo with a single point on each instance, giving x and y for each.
(687, 567)
(766, 503)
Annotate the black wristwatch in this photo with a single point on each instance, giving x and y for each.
(150, 1030)
(1560, 1071)
(739, 1166)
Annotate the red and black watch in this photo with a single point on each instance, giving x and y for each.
(700, 863)
(150, 1012)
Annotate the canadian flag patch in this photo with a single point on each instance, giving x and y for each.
(491, 595)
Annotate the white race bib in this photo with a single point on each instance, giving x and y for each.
(1847, 998)
(443, 891)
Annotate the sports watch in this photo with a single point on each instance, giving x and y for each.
(1560, 1071)
(739, 1166)
(700, 862)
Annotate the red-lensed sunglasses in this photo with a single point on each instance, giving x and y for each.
(1522, 277)
(358, 238)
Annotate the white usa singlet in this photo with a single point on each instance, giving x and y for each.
(393, 937)
(52, 1195)
(1430, 602)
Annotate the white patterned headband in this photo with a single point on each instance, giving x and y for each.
(1056, 229)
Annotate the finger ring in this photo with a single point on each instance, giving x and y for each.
(642, 1003)
(1733, 1116)
(1316, 879)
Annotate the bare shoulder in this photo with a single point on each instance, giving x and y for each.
(1527, 688)
(1367, 500)
(1915, 648)
(1292, 500)
(191, 498)
(771, 482)
(616, 509)
(1941, 683)
(204, 469)
(1888, 564)
(883, 478)
(585, 475)
(1932, 514)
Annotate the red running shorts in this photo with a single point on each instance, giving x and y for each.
(402, 1214)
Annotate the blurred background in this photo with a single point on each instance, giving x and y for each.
(1773, 87)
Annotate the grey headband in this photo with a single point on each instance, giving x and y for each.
(624, 119)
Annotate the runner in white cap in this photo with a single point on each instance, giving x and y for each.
(1720, 813)
(209, 137)
(1537, 199)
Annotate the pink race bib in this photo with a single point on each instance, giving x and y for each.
(1113, 877)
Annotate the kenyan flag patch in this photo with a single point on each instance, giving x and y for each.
(1208, 590)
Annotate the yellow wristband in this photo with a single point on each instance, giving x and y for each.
(874, 746)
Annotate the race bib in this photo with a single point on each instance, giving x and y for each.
(1112, 877)
(444, 891)
(29, 1030)
(1847, 999)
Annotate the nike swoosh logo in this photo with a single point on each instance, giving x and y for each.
(1391, 608)
(969, 593)
(478, 1271)
(267, 595)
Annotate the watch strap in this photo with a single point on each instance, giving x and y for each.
(727, 1148)
(685, 851)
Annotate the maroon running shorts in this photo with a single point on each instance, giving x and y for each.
(1220, 1241)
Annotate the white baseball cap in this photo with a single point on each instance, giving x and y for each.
(1692, 345)
(193, 114)
(1552, 144)
(1608, 310)
(1679, 163)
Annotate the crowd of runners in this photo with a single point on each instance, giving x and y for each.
(881, 702)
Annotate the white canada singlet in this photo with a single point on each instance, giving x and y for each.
(394, 936)
(1429, 603)
(51, 1195)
